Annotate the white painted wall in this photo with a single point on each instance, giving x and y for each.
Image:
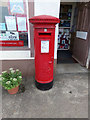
(48, 7)
(88, 60)
(15, 55)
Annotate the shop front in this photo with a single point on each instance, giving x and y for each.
(16, 33)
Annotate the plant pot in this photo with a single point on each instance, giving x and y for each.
(13, 90)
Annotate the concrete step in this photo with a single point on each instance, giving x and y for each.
(70, 68)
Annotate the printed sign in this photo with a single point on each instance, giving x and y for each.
(12, 35)
(16, 6)
(2, 26)
(11, 43)
(45, 46)
(10, 22)
(3, 36)
(81, 34)
(21, 22)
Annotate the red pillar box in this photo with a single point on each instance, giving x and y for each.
(44, 35)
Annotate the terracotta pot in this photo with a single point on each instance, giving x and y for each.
(13, 90)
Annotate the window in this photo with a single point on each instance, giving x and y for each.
(13, 24)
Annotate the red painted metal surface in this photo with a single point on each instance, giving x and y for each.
(44, 19)
(44, 30)
(11, 43)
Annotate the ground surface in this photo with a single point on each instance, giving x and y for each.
(64, 56)
(67, 99)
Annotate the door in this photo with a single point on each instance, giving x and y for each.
(80, 49)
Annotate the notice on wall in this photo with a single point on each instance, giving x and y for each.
(10, 22)
(82, 35)
(16, 6)
(21, 22)
(12, 35)
(2, 26)
(45, 46)
(3, 36)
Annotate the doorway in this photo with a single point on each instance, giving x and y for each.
(67, 29)
(73, 34)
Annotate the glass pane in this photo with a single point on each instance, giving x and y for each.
(13, 24)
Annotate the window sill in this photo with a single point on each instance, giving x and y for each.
(14, 48)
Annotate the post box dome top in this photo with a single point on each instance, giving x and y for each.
(44, 19)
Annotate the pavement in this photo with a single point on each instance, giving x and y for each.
(67, 99)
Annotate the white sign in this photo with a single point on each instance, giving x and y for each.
(81, 34)
(21, 21)
(10, 22)
(45, 46)
(3, 36)
(12, 35)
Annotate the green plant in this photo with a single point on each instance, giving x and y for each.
(10, 79)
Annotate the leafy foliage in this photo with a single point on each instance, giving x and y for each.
(10, 79)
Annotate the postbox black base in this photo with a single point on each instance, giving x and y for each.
(45, 86)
